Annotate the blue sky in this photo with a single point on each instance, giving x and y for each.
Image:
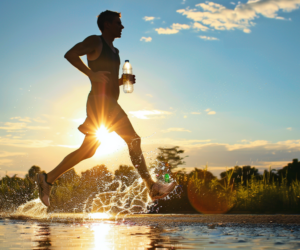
(219, 79)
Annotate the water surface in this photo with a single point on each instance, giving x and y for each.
(20, 234)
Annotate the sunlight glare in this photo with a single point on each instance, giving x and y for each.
(99, 216)
(110, 142)
(101, 233)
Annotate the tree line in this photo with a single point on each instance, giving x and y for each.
(239, 189)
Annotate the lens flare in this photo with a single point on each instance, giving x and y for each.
(102, 133)
(110, 142)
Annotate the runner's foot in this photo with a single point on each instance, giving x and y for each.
(44, 188)
(159, 190)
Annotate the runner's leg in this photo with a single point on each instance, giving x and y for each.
(126, 131)
(86, 150)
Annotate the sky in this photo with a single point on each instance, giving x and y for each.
(219, 79)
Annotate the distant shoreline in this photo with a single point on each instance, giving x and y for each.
(172, 220)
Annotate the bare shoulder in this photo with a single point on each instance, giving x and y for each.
(88, 46)
(94, 45)
(92, 41)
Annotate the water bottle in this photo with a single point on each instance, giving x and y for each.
(127, 72)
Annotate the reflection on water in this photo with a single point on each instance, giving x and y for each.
(41, 238)
(17, 234)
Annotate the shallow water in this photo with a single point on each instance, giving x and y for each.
(21, 234)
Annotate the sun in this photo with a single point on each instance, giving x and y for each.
(102, 133)
(110, 142)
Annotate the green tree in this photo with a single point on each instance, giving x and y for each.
(167, 160)
(241, 174)
(291, 172)
(33, 171)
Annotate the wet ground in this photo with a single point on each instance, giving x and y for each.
(78, 231)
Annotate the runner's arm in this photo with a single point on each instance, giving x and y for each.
(86, 47)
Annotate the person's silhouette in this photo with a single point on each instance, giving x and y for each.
(102, 106)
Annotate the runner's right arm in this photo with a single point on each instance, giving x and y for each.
(88, 46)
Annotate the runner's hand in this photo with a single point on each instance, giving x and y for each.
(131, 78)
(99, 76)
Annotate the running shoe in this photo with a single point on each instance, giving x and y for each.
(159, 190)
(44, 189)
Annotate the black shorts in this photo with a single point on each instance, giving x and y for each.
(102, 110)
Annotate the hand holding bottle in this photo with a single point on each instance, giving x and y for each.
(128, 77)
(131, 78)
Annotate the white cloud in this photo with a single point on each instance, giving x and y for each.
(211, 7)
(148, 18)
(175, 130)
(166, 31)
(149, 114)
(289, 128)
(9, 154)
(4, 154)
(218, 17)
(247, 30)
(210, 112)
(173, 142)
(195, 113)
(199, 26)
(209, 38)
(25, 143)
(68, 146)
(20, 126)
(25, 119)
(146, 39)
(178, 26)
(175, 27)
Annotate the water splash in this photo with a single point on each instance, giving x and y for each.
(31, 209)
(133, 199)
(107, 204)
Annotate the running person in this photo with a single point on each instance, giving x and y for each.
(102, 107)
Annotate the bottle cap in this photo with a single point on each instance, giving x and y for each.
(126, 60)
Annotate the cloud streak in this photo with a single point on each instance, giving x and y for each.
(20, 126)
(25, 143)
(210, 112)
(149, 114)
(146, 39)
(4, 154)
(149, 18)
(209, 38)
(175, 28)
(176, 130)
